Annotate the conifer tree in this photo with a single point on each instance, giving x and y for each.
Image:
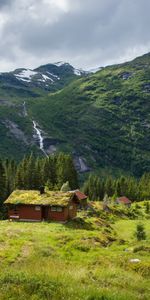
(109, 186)
(3, 192)
(66, 171)
(10, 170)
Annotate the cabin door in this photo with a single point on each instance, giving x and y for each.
(44, 213)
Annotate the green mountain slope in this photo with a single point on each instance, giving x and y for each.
(103, 118)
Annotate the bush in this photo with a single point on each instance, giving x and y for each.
(141, 248)
(147, 207)
(140, 232)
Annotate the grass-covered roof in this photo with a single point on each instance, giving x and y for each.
(52, 198)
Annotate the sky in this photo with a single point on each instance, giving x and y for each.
(85, 33)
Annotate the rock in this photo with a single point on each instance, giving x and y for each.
(146, 87)
(16, 131)
(126, 75)
(135, 260)
(52, 149)
(80, 164)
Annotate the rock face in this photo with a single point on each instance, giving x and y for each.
(6, 102)
(80, 164)
(16, 131)
(146, 88)
(126, 75)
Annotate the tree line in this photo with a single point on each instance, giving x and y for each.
(131, 187)
(53, 171)
(33, 172)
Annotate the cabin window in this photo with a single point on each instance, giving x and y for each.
(59, 208)
(37, 208)
(71, 207)
(53, 208)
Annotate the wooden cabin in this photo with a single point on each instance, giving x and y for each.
(31, 205)
(124, 200)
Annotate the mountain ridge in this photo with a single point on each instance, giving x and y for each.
(49, 77)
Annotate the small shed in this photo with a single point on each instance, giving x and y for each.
(124, 200)
(32, 205)
(81, 199)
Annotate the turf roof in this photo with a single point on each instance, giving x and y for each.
(52, 198)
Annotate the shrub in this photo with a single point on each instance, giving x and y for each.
(141, 248)
(140, 232)
(147, 207)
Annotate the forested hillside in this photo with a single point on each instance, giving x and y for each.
(103, 119)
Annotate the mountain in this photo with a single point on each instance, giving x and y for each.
(49, 77)
(103, 119)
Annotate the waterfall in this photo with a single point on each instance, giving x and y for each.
(39, 137)
(24, 109)
(83, 167)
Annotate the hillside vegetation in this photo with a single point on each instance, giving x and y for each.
(102, 118)
(86, 259)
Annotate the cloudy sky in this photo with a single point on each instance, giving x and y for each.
(86, 33)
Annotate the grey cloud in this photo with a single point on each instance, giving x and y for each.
(88, 33)
(4, 3)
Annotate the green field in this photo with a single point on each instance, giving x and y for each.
(41, 261)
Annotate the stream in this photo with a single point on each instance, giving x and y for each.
(39, 137)
(25, 109)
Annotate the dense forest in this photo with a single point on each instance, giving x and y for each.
(131, 187)
(54, 171)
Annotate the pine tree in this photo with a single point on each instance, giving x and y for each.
(144, 186)
(38, 177)
(94, 188)
(21, 179)
(109, 187)
(66, 171)
(3, 191)
(10, 170)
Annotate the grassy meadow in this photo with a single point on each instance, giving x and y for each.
(85, 259)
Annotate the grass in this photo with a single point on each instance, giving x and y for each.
(41, 261)
(34, 197)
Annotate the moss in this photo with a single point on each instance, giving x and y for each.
(53, 198)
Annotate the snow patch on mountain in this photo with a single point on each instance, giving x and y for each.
(55, 76)
(78, 72)
(26, 74)
(47, 78)
(60, 63)
(23, 79)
